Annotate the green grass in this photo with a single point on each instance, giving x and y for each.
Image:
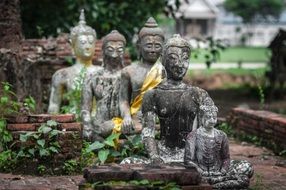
(259, 73)
(235, 54)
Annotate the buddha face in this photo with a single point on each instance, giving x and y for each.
(209, 119)
(113, 52)
(84, 47)
(151, 48)
(176, 62)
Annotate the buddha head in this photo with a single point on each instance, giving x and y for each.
(208, 114)
(83, 40)
(113, 47)
(176, 54)
(150, 41)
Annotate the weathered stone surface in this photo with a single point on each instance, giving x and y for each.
(70, 126)
(107, 174)
(18, 119)
(35, 126)
(23, 127)
(61, 118)
(180, 175)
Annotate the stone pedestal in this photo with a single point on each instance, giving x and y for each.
(185, 178)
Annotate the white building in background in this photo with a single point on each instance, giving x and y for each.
(203, 18)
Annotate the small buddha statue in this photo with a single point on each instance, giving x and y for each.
(136, 79)
(83, 40)
(207, 149)
(174, 102)
(104, 87)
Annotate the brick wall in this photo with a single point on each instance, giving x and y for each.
(69, 139)
(269, 126)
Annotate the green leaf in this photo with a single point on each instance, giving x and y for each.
(4, 100)
(41, 142)
(134, 182)
(21, 154)
(95, 146)
(36, 136)
(144, 182)
(23, 138)
(137, 140)
(54, 133)
(44, 129)
(44, 152)
(115, 153)
(102, 155)
(52, 123)
(32, 151)
(157, 183)
(53, 149)
(2, 123)
(113, 136)
(6, 86)
(109, 143)
(55, 144)
(7, 137)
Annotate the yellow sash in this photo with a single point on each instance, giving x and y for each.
(153, 79)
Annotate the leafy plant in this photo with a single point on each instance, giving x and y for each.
(87, 157)
(109, 150)
(7, 160)
(41, 169)
(212, 53)
(30, 103)
(70, 167)
(133, 146)
(140, 183)
(225, 127)
(42, 143)
(106, 149)
(74, 96)
(8, 106)
(261, 96)
(8, 103)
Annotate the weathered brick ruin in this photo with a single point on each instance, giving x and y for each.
(269, 126)
(69, 138)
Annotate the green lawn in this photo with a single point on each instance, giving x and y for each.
(235, 54)
(259, 73)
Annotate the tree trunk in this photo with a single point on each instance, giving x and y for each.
(10, 25)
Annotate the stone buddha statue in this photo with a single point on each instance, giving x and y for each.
(104, 86)
(135, 77)
(175, 103)
(83, 40)
(207, 149)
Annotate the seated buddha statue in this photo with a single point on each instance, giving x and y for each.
(103, 86)
(136, 79)
(83, 40)
(174, 102)
(207, 149)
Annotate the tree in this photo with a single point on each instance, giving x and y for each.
(47, 17)
(255, 10)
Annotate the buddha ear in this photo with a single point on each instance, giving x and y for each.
(138, 44)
